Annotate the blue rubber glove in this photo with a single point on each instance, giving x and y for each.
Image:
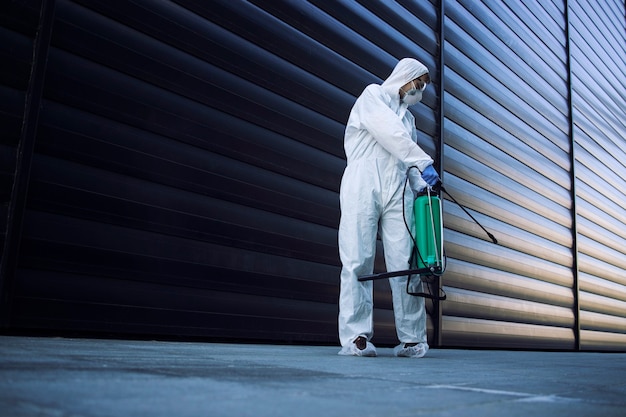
(430, 176)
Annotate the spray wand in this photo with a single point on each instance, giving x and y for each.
(442, 188)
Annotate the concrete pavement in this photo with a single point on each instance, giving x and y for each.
(91, 377)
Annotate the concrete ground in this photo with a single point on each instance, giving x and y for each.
(87, 377)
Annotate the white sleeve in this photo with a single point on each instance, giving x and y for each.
(387, 129)
(416, 181)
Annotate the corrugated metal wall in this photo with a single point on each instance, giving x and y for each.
(507, 157)
(188, 162)
(23, 47)
(557, 279)
(598, 47)
(188, 155)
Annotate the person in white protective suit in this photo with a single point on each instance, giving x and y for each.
(381, 144)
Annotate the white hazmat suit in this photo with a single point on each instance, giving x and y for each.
(380, 144)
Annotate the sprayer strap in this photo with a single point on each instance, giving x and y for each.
(392, 274)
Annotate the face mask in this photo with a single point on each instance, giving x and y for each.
(413, 96)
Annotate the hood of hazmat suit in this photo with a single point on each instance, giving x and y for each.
(406, 70)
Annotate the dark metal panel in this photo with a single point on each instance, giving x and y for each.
(152, 157)
(119, 252)
(18, 28)
(188, 162)
(131, 307)
(182, 73)
(11, 227)
(18, 25)
(11, 122)
(15, 65)
(259, 27)
(159, 173)
(155, 109)
(374, 39)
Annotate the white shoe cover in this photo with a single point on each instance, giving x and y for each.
(352, 350)
(416, 351)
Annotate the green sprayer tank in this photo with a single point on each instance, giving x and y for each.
(428, 231)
